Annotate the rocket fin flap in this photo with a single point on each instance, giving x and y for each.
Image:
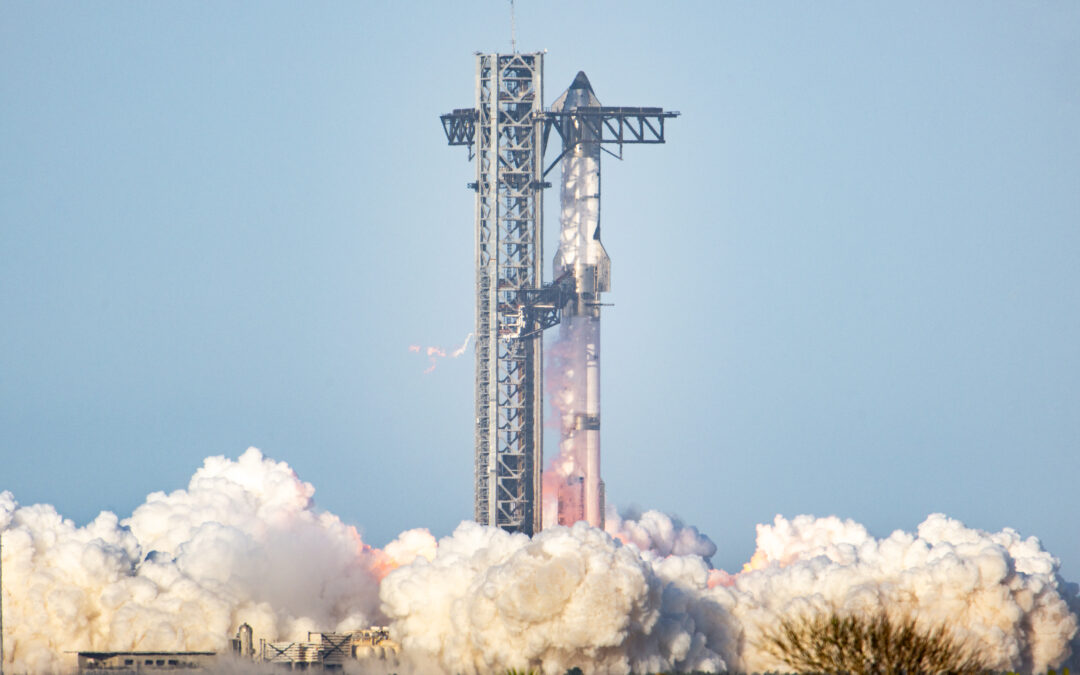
(558, 264)
(560, 102)
(603, 269)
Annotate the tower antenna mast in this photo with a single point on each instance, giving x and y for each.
(513, 30)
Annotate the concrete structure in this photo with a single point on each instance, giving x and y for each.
(329, 651)
(118, 663)
(244, 643)
(292, 655)
(507, 132)
(321, 651)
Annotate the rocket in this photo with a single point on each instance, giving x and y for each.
(581, 254)
(584, 125)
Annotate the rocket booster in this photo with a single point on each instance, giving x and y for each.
(580, 253)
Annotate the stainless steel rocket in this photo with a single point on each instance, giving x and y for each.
(580, 253)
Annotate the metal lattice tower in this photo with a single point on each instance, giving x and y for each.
(504, 133)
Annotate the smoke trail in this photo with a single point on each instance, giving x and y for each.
(244, 542)
(436, 353)
(461, 350)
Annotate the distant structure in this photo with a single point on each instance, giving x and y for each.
(507, 132)
(331, 652)
(123, 663)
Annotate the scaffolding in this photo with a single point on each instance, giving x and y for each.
(503, 133)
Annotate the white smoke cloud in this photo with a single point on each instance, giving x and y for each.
(659, 533)
(567, 597)
(506, 601)
(410, 545)
(244, 542)
(997, 590)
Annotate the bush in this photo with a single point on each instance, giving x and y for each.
(877, 645)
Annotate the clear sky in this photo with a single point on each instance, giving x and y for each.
(849, 284)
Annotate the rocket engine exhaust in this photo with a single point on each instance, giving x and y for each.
(245, 543)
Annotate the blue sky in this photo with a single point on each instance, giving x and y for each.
(847, 285)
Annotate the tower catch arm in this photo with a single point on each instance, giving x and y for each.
(620, 125)
(536, 310)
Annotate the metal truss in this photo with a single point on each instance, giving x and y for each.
(617, 125)
(460, 127)
(540, 309)
(607, 125)
(503, 133)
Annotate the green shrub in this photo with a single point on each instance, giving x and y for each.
(878, 645)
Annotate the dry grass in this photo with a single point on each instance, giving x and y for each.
(876, 645)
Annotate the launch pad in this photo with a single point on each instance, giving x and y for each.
(507, 133)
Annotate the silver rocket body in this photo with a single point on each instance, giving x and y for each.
(580, 253)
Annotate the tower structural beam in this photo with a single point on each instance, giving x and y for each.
(503, 133)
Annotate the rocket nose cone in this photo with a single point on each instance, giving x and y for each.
(581, 82)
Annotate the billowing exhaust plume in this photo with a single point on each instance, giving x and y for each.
(658, 533)
(998, 591)
(567, 597)
(244, 542)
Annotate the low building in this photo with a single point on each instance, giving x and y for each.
(291, 655)
(143, 662)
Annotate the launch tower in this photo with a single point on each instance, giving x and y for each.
(503, 134)
(507, 132)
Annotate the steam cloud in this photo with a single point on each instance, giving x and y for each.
(184, 570)
(244, 543)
